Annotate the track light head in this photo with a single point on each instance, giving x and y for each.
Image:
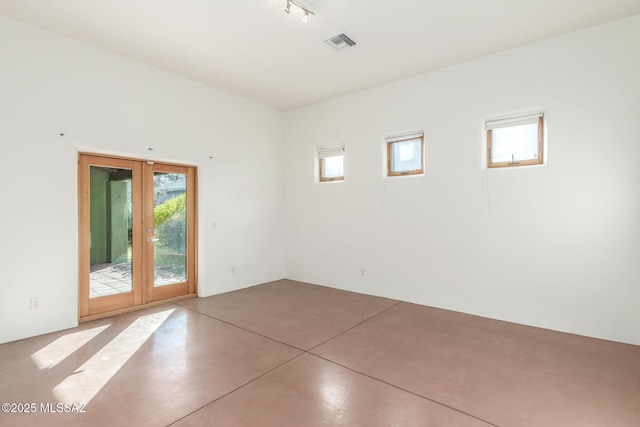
(300, 6)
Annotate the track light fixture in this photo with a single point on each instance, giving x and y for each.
(299, 5)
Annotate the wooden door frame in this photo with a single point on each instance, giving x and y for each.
(141, 296)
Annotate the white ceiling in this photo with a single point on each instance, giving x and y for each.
(253, 49)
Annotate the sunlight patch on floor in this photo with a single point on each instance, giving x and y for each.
(87, 381)
(54, 353)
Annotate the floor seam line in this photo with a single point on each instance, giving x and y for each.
(403, 389)
(239, 387)
(244, 329)
(354, 326)
(309, 352)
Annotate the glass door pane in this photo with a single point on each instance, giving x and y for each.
(170, 228)
(110, 231)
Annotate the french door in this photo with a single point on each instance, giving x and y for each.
(137, 233)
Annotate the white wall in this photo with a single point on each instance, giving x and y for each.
(556, 246)
(567, 234)
(104, 102)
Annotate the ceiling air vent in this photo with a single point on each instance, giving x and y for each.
(340, 42)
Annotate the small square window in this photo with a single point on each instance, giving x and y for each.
(515, 141)
(405, 155)
(331, 164)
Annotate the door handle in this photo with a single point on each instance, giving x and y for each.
(152, 240)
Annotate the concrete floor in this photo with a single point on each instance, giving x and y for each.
(293, 354)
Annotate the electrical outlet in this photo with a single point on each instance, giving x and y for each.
(363, 272)
(34, 303)
(233, 270)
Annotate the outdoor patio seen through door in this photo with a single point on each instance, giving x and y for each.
(137, 229)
